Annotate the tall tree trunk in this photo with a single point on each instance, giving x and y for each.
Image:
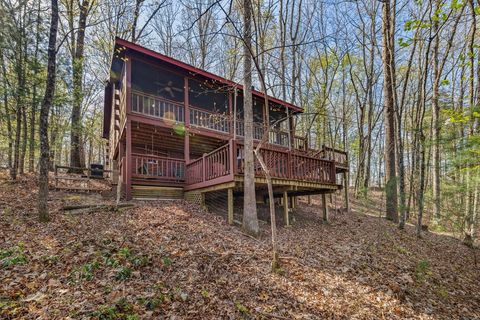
(16, 150)
(23, 152)
(469, 190)
(250, 221)
(44, 112)
(389, 114)
(7, 112)
(77, 61)
(421, 187)
(31, 148)
(436, 122)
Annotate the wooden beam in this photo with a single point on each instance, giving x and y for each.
(345, 182)
(230, 206)
(285, 208)
(325, 207)
(128, 94)
(128, 161)
(202, 201)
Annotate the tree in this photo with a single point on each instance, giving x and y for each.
(389, 110)
(250, 221)
(44, 113)
(77, 49)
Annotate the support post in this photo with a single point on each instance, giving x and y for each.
(128, 161)
(325, 207)
(186, 103)
(202, 197)
(128, 93)
(345, 186)
(285, 208)
(186, 151)
(309, 200)
(230, 206)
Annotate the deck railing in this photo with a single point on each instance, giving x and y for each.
(195, 171)
(288, 165)
(277, 162)
(258, 129)
(278, 137)
(217, 163)
(209, 120)
(210, 166)
(311, 169)
(228, 160)
(157, 107)
(300, 143)
(339, 156)
(158, 168)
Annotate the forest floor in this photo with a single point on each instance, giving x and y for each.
(171, 260)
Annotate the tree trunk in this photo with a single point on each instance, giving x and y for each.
(389, 114)
(21, 163)
(44, 112)
(31, 147)
(250, 221)
(436, 123)
(77, 61)
(7, 112)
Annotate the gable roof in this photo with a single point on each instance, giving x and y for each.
(187, 67)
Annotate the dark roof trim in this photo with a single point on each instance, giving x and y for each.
(185, 66)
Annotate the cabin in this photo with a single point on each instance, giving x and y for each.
(176, 131)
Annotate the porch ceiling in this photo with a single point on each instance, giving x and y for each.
(148, 137)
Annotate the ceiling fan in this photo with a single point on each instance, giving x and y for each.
(168, 88)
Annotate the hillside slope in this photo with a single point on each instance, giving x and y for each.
(172, 260)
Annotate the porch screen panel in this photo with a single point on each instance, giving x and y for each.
(146, 78)
(258, 109)
(208, 96)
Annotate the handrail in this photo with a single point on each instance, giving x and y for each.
(209, 120)
(161, 168)
(157, 107)
(157, 97)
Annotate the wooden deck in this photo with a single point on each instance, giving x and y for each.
(225, 164)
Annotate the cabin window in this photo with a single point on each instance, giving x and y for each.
(158, 82)
(208, 96)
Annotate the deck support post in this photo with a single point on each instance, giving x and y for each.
(285, 208)
(345, 187)
(128, 161)
(230, 206)
(186, 151)
(309, 200)
(325, 207)
(202, 201)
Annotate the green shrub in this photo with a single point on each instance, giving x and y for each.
(13, 256)
(123, 273)
(422, 270)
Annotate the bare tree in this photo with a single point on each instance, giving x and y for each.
(44, 113)
(389, 107)
(250, 221)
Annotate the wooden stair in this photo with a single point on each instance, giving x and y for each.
(156, 193)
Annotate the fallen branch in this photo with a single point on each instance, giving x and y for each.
(96, 206)
(80, 209)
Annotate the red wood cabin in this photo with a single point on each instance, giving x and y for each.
(172, 132)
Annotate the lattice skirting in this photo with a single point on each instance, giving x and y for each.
(194, 197)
